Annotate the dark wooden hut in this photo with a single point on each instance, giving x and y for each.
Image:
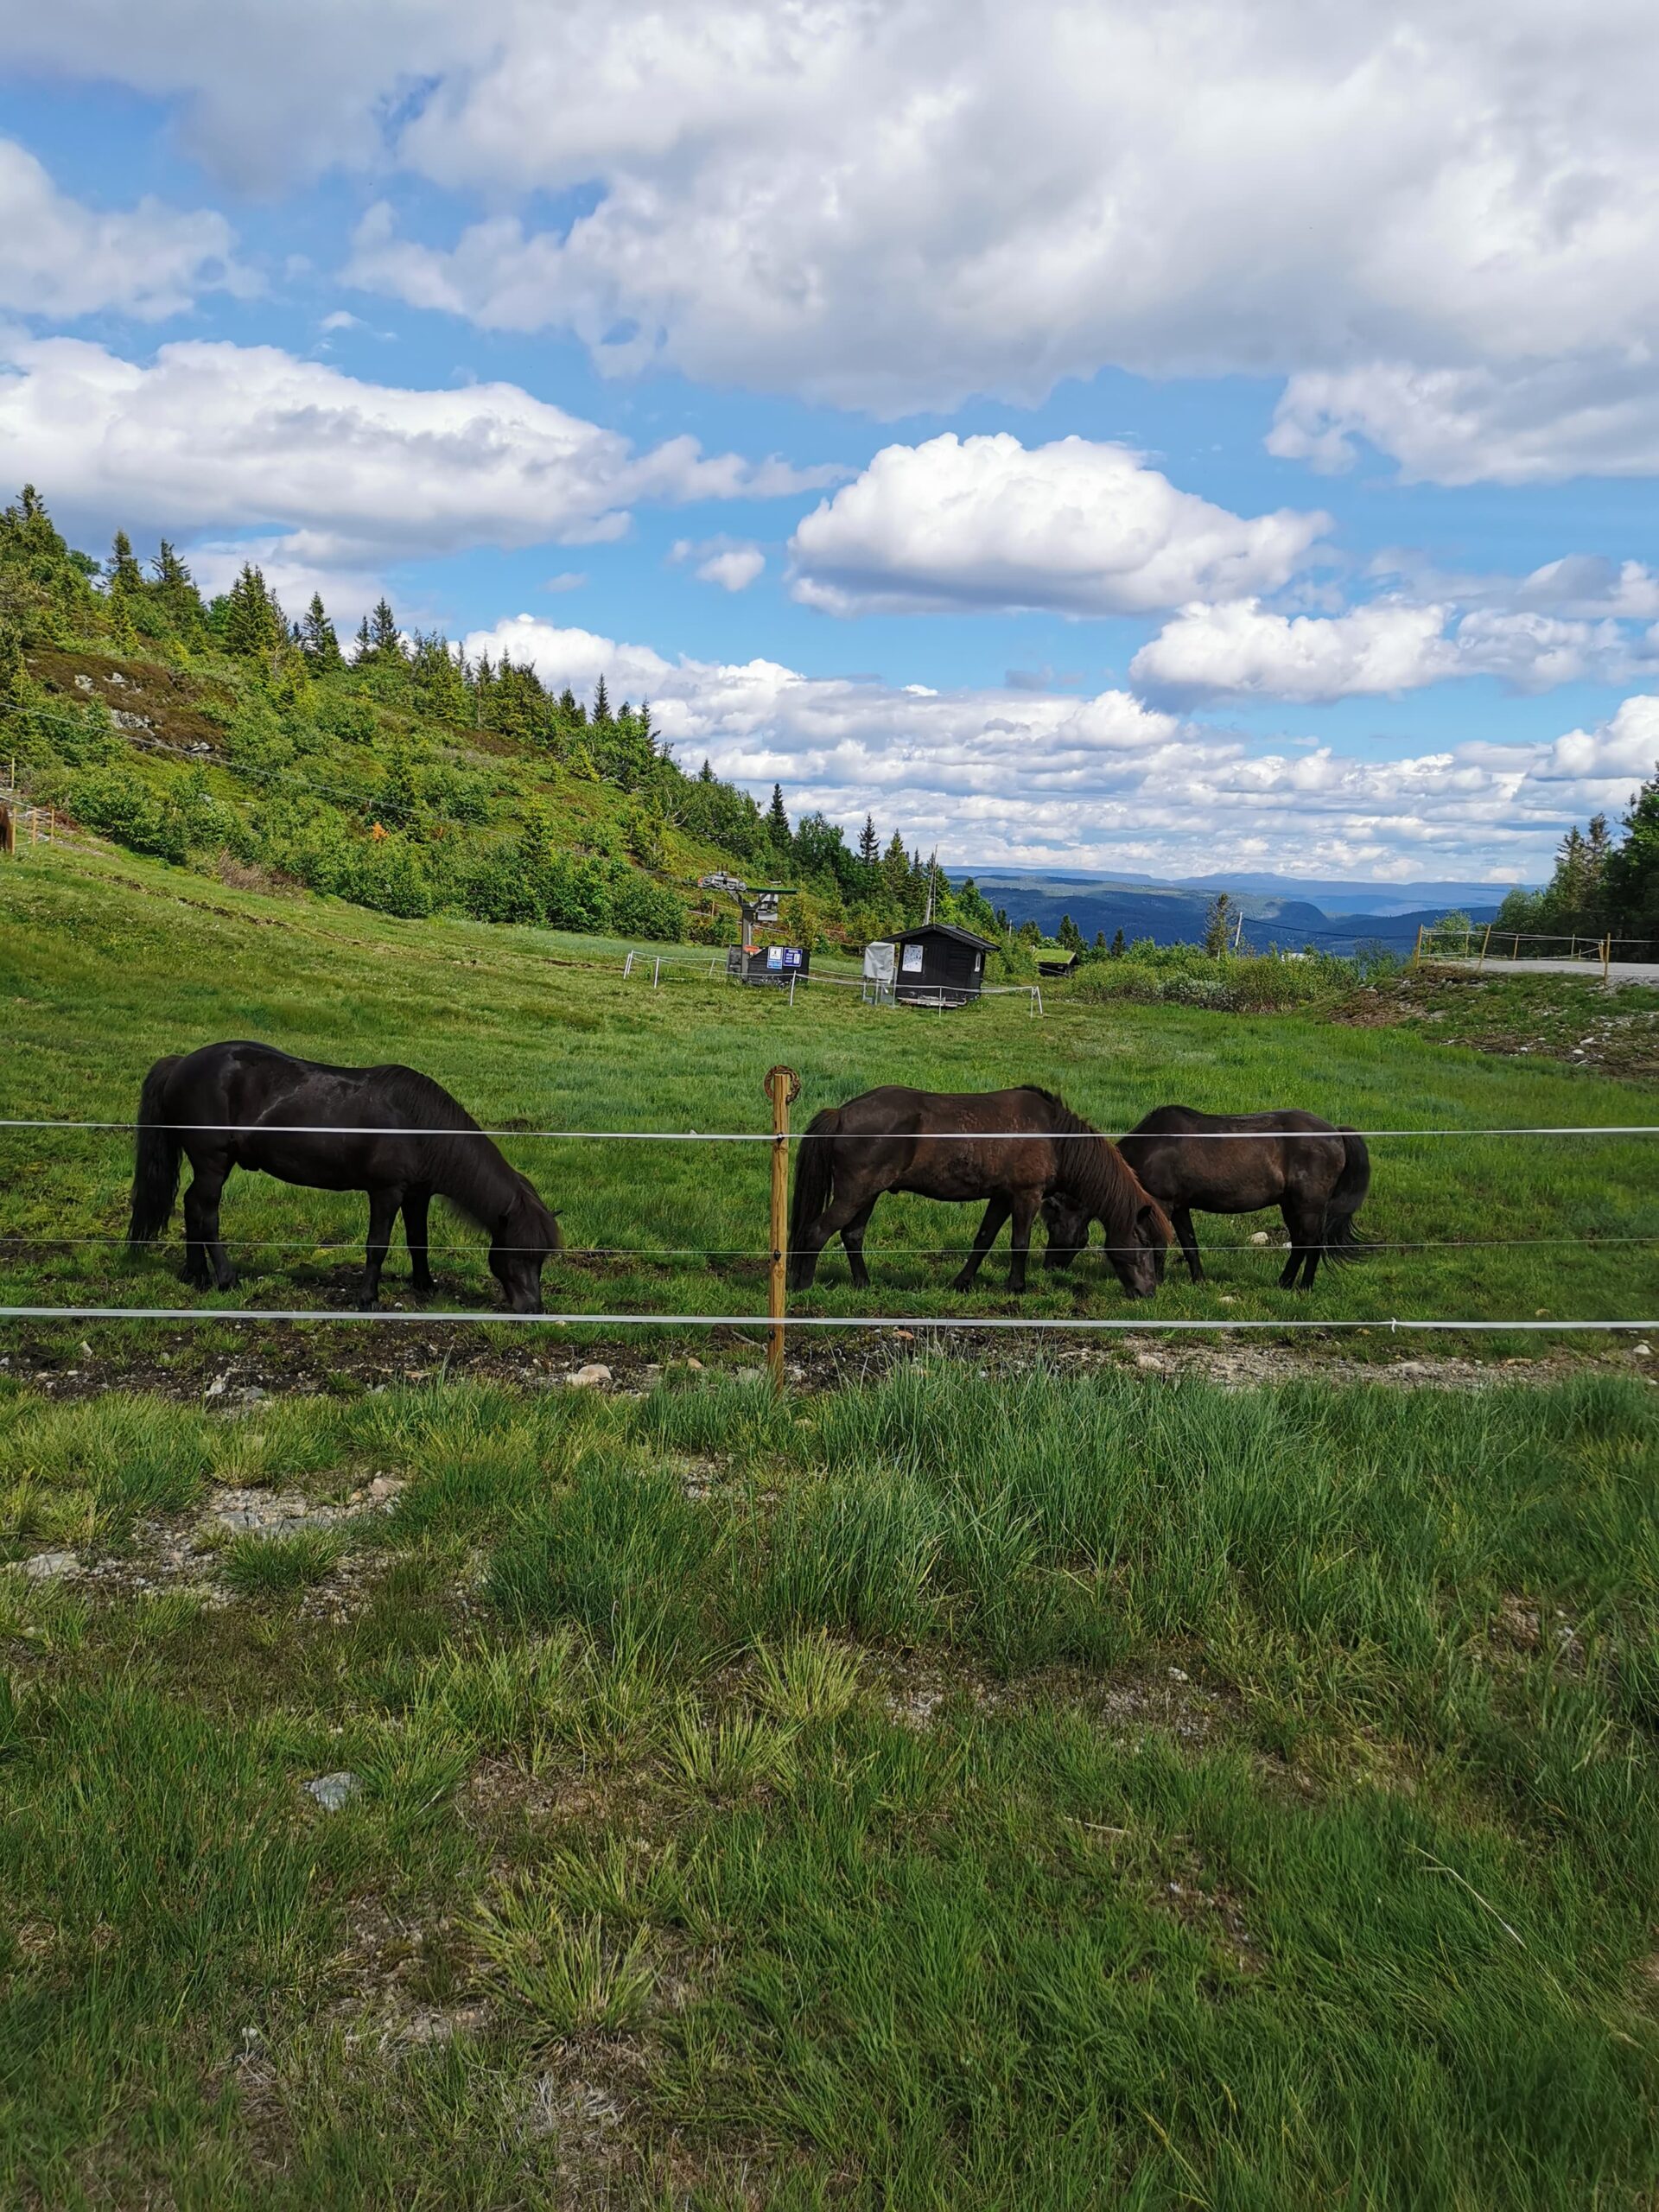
(939, 965)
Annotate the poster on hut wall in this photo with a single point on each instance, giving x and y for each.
(912, 962)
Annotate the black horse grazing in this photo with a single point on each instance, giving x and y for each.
(1009, 1146)
(1314, 1172)
(389, 1131)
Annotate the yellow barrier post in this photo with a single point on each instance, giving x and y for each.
(782, 1085)
(1606, 955)
(1484, 942)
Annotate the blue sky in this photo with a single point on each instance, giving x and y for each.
(1223, 442)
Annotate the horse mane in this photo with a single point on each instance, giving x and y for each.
(467, 1171)
(1090, 1167)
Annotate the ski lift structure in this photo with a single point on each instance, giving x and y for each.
(746, 962)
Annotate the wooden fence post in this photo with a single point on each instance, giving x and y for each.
(1417, 950)
(1606, 955)
(1484, 942)
(782, 1085)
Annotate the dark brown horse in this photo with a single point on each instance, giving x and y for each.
(1010, 1148)
(389, 1131)
(1315, 1173)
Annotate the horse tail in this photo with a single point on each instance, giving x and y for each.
(814, 1183)
(155, 1166)
(1341, 1240)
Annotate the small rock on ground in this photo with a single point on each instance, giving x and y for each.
(591, 1377)
(277, 1513)
(334, 1791)
(46, 1567)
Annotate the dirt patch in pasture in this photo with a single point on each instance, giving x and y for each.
(1580, 1022)
(297, 1361)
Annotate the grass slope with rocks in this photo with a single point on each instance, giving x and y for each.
(939, 1792)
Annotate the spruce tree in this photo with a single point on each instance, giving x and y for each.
(777, 820)
(170, 572)
(122, 570)
(254, 624)
(896, 870)
(317, 638)
(869, 845)
(601, 702)
(706, 773)
(1632, 873)
(1069, 934)
(175, 588)
(385, 642)
(1219, 924)
(1119, 947)
(362, 644)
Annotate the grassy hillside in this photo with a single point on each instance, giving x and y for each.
(398, 775)
(109, 962)
(937, 1793)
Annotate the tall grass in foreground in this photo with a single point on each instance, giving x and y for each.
(942, 1793)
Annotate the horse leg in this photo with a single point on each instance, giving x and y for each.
(415, 1202)
(853, 1238)
(989, 1230)
(1025, 1212)
(384, 1201)
(838, 1215)
(1315, 1250)
(206, 1263)
(1182, 1218)
(1306, 1226)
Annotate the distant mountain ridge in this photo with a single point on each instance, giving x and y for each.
(1175, 913)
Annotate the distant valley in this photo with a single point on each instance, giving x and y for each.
(1335, 915)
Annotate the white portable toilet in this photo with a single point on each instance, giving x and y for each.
(880, 963)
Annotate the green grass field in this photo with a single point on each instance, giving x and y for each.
(987, 1785)
(110, 962)
(945, 1793)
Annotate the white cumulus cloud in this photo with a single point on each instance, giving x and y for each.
(899, 206)
(1245, 650)
(1618, 751)
(732, 563)
(867, 205)
(1080, 527)
(62, 259)
(1592, 414)
(218, 436)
